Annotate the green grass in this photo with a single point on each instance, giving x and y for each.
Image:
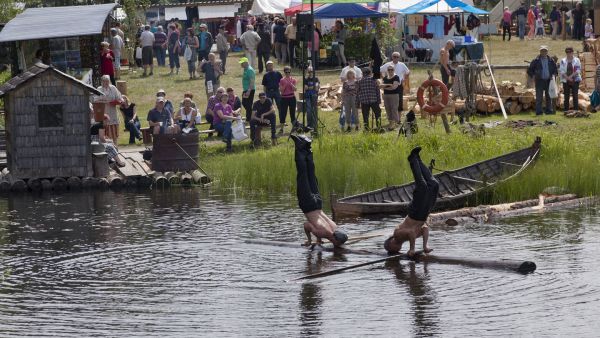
(357, 162)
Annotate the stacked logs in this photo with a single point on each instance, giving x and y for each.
(330, 97)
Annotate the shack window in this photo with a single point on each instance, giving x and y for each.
(50, 115)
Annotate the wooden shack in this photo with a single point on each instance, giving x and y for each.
(47, 123)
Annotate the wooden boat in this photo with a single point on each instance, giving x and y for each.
(455, 186)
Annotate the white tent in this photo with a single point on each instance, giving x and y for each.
(441, 7)
(217, 11)
(260, 7)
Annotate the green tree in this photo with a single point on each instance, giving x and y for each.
(8, 10)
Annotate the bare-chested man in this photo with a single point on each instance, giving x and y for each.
(309, 198)
(445, 68)
(424, 197)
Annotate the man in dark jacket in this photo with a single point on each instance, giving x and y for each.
(264, 46)
(542, 69)
(521, 16)
(578, 17)
(206, 42)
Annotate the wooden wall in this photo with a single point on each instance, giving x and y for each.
(48, 152)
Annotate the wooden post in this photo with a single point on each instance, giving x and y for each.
(445, 123)
(59, 184)
(122, 86)
(563, 25)
(100, 164)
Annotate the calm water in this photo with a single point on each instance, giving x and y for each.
(174, 264)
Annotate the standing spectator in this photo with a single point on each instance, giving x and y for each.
(107, 59)
(224, 116)
(290, 34)
(212, 72)
(542, 68)
(205, 40)
(250, 40)
(116, 45)
(248, 86)
(120, 31)
(446, 70)
(174, 48)
(341, 33)
(147, 43)
(531, 23)
(521, 16)
(264, 47)
(539, 26)
(349, 92)
(160, 42)
(270, 84)
(577, 15)
(111, 98)
(570, 76)
(351, 66)
(191, 46)
(132, 122)
(554, 21)
(287, 87)
(263, 114)
(313, 48)
(506, 23)
(222, 46)
(402, 71)
(311, 94)
(391, 86)
(369, 98)
(589, 29)
(280, 42)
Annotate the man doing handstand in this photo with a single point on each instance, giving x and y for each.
(424, 197)
(309, 199)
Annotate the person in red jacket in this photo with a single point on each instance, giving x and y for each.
(106, 62)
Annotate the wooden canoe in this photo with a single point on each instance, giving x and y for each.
(455, 186)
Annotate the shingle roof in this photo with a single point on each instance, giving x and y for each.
(36, 70)
(56, 22)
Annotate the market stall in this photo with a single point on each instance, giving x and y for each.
(429, 24)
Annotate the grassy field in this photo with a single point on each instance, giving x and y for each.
(356, 162)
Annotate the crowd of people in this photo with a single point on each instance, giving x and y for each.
(530, 22)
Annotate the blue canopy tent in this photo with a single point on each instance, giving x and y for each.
(345, 10)
(441, 7)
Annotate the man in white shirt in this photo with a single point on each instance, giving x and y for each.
(250, 40)
(147, 43)
(401, 70)
(116, 44)
(351, 65)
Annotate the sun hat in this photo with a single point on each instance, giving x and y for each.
(244, 59)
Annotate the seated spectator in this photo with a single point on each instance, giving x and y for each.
(186, 116)
(168, 104)
(160, 120)
(191, 97)
(224, 116)
(234, 101)
(132, 122)
(210, 108)
(97, 135)
(263, 114)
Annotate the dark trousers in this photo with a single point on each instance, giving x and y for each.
(272, 122)
(203, 54)
(505, 28)
(134, 131)
(311, 111)
(366, 107)
(541, 88)
(173, 59)
(247, 104)
(445, 76)
(224, 127)
(307, 189)
(315, 59)
(223, 56)
(160, 55)
(263, 56)
(568, 89)
(578, 31)
(292, 51)
(426, 190)
(287, 102)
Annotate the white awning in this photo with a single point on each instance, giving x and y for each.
(175, 12)
(261, 7)
(218, 11)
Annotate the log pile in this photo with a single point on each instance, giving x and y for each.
(330, 97)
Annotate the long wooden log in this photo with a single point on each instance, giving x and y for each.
(130, 182)
(199, 177)
(4, 184)
(59, 184)
(186, 179)
(89, 182)
(115, 181)
(160, 180)
(103, 183)
(74, 183)
(144, 181)
(46, 184)
(173, 178)
(35, 184)
(16, 184)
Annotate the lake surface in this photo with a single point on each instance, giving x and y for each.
(174, 264)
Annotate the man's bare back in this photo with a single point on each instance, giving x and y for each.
(409, 230)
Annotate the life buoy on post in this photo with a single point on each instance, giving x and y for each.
(430, 106)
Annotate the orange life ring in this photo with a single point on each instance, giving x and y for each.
(429, 106)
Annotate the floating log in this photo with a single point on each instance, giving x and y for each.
(115, 181)
(4, 184)
(89, 182)
(160, 180)
(34, 184)
(46, 184)
(74, 183)
(130, 182)
(173, 178)
(186, 179)
(144, 181)
(103, 183)
(200, 177)
(59, 184)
